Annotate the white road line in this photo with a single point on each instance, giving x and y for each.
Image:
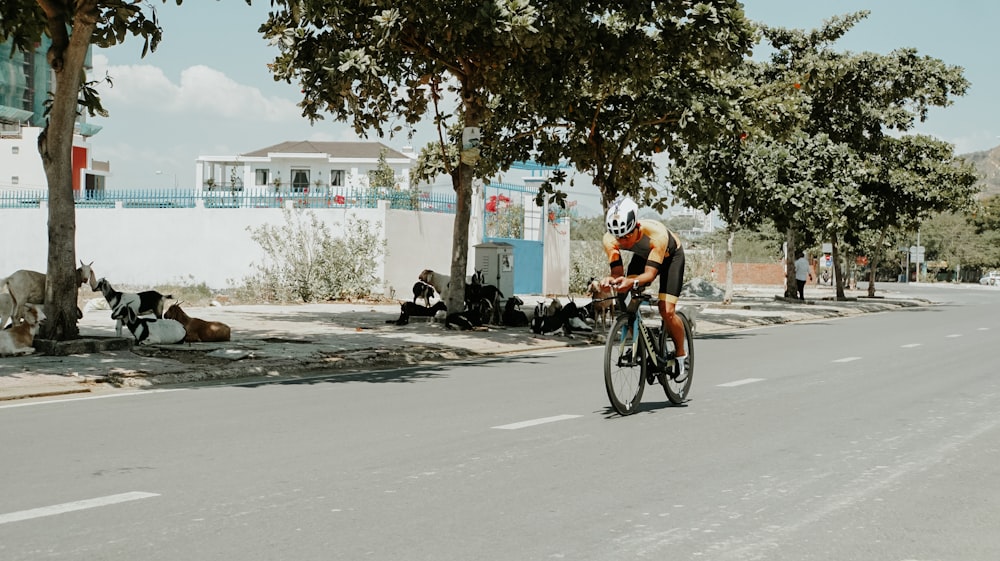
(73, 506)
(953, 335)
(533, 422)
(983, 329)
(740, 382)
(57, 399)
(911, 345)
(848, 359)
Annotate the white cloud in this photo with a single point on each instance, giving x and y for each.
(201, 91)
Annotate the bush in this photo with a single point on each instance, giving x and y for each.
(304, 262)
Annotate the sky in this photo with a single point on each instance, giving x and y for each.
(207, 91)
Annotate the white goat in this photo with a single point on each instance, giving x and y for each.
(145, 302)
(153, 331)
(437, 280)
(18, 339)
(28, 287)
(6, 308)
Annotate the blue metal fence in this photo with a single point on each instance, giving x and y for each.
(242, 198)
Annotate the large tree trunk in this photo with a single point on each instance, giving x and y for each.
(791, 254)
(727, 298)
(474, 112)
(873, 264)
(55, 145)
(838, 271)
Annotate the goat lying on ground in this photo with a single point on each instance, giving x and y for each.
(558, 317)
(423, 290)
(153, 331)
(28, 287)
(408, 309)
(602, 302)
(198, 330)
(6, 308)
(142, 303)
(469, 319)
(18, 339)
(512, 314)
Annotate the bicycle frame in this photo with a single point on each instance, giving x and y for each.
(640, 333)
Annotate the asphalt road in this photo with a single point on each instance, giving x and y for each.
(875, 437)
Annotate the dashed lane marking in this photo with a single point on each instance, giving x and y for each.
(742, 382)
(74, 506)
(911, 345)
(533, 422)
(848, 359)
(953, 335)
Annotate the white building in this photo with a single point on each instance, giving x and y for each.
(303, 166)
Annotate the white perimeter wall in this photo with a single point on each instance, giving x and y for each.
(145, 248)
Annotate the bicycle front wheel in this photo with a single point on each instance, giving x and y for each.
(623, 360)
(677, 392)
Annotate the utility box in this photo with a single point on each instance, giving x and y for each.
(496, 261)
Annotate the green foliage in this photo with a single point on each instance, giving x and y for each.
(304, 262)
(762, 245)
(587, 260)
(587, 228)
(641, 82)
(382, 179)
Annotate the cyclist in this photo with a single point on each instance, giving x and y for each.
(656, 252)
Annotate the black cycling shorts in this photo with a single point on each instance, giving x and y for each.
(671, 273)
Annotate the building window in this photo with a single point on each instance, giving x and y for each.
(261, 176)
(300, 180)
(15, 150)
(336, 178)
(15, 180)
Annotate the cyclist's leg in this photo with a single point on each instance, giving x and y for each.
(671, 281)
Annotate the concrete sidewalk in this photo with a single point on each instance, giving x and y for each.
(274, 342)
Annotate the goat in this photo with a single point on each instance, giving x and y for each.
(28, 287)
(437, 280)
(198, 330)
(142, 303)
(423, 290)
(6, 308)
(602, 301)
(485, 298)
(407, 309)
(558, 317)
(469, 319)
(18, 339)
(512, 315)
(153, 331)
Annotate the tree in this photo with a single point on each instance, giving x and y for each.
(644, 83)
(371, 61)
(854, 102)
(73, 26)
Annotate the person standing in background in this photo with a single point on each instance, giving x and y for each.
(802, 274)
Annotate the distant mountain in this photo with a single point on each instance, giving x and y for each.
(987, 164)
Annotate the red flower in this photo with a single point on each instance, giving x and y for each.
(339, 199)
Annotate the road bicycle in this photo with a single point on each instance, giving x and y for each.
(636, 354)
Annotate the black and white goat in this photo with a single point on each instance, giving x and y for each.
(512, 314)
(142, 303)
(411, 309)
(153, 331)
(557, 317)
(423, 290)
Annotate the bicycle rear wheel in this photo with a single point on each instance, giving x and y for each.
(676, 392)
(623, 360)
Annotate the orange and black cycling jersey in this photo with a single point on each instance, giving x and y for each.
(655, 244)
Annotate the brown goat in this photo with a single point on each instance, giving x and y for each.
(198, 330)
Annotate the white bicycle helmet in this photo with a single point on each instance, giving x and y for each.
(621, 218)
